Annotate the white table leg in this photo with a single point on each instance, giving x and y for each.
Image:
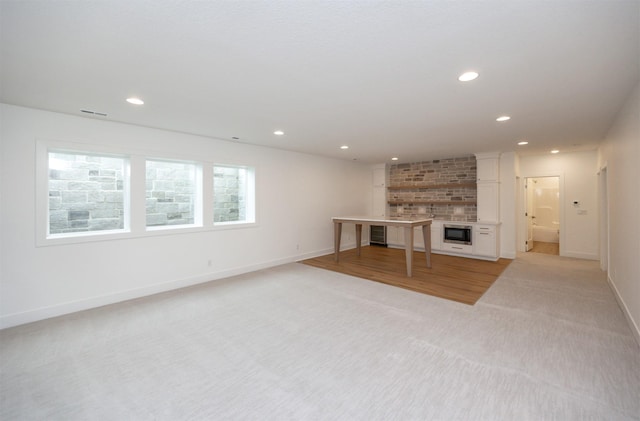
(408, 248)
(337, 233)
(358, 238)
(426, 233)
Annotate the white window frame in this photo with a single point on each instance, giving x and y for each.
(43, 237)
(134, 190)
(250, 195)
(198, 202)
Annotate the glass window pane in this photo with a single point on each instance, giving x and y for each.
(171, 193)
(86, 193)
(233, 195)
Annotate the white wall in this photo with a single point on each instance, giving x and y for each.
(578, 182)
(296, 196)
(620, 155)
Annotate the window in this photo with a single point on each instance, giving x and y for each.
(233, 194)
(173, 193)
(86, 193)
(89, 193)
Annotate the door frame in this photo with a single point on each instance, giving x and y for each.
(603, 199)
(521, 221)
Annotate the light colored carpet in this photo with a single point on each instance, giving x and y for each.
(547, 341)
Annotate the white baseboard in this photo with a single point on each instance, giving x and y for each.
(16, 319)
(632, 323)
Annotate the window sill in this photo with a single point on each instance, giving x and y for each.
(219, 226)
(148, 232)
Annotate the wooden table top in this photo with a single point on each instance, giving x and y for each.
(381, 220)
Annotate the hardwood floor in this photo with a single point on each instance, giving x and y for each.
(454, 278)
(546, 248)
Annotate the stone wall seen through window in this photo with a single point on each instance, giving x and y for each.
(86, 193)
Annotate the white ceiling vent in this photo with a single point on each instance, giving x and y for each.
(94, 113)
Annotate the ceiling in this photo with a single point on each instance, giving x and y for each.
(378, 76)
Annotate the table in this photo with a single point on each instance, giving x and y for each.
(406, 223)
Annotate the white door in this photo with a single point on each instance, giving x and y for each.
(528, 198)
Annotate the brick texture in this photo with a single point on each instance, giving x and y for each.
(419, 176)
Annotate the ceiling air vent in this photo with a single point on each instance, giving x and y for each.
(94, 113)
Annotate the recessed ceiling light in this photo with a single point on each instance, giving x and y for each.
(344, 147)
(468, 76)
(395, 158)
(523, 142)
(503, 118)
(555, 151)
(135, 101)
(278, 133)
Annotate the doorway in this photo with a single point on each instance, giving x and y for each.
(542, 212)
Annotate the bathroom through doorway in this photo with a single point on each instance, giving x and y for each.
(543, 214)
